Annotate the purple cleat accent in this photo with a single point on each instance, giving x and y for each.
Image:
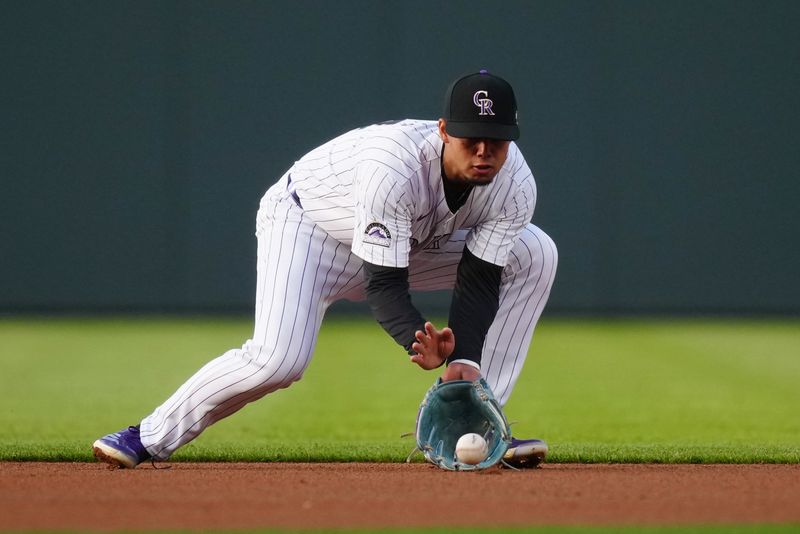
(121, 449)
(525, 453)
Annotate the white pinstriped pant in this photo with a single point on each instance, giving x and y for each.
(301, 271)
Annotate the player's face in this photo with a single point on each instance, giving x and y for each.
(472, 160)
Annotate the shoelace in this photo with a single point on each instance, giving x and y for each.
(153, 462)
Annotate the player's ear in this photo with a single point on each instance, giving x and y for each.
(442, 131)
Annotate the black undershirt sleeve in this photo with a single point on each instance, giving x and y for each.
(476, 298)
(390, 302)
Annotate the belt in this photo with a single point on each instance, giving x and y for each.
(292, 191)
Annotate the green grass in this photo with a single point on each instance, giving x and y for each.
(598, 391)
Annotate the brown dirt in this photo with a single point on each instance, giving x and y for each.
(84, 496)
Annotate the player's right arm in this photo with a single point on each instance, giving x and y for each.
(390, 303)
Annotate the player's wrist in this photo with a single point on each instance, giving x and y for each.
(464, 361)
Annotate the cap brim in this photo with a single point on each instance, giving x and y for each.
(483, 130)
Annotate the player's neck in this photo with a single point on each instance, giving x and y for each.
(455, 192)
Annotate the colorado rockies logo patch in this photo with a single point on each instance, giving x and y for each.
(377, 234)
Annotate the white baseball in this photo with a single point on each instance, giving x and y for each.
(471, 449)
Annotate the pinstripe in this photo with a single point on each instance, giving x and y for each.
(309, 335)
(381, 157)
(357, 276)
(402, 147)
(482, 253)
(383, 163)
(533, 318)
(299, 316)
(339, 276)
(484, 211)
(335, 219)
(422, 137)
(326, 287)
(523, 341)
(517, 335)
(398, 259)
(517, 318)
(334, 187)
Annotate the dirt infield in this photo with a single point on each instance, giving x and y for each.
(191, 496)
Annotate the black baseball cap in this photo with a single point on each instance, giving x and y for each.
(481, 105)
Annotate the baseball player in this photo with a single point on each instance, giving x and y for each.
(371, 214)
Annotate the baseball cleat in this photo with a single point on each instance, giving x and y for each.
(525, 453)
(121, 449)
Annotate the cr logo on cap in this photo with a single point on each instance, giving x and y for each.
(484, 104)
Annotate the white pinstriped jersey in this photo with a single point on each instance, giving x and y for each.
(379, 189)
(378, 193)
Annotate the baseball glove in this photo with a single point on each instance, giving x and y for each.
(452, 409)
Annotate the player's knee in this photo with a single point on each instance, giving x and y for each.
(280, 375)
(535, 251)
(549, 250)
(290, 378)
(275, 368)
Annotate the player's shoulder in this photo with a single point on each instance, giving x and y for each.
(406, 135)
(516, 166)
(407, 144)
(415, 129)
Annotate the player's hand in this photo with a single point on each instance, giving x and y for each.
(460, 371)
(432, 346)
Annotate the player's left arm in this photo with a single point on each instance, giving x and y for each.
(474, 305)
(476, 295)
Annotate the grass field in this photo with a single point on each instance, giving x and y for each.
(685, 390)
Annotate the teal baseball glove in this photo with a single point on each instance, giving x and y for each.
(452, 409)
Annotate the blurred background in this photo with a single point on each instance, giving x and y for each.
(138, 137)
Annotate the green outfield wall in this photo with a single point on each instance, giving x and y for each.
(138, 137)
